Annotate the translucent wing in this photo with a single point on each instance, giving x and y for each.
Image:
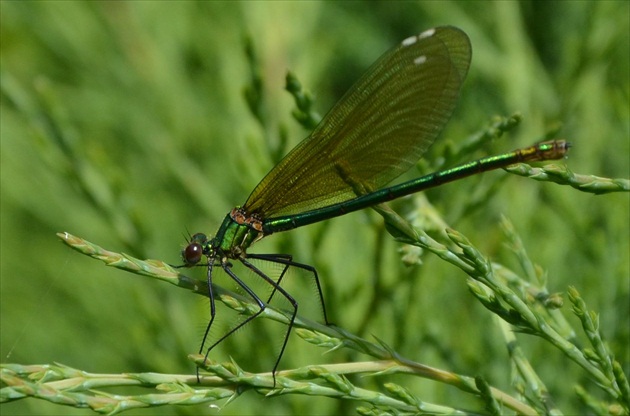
(376, 132)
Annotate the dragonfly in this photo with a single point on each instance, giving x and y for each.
(377, 131)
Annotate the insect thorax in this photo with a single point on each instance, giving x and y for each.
(238, 231)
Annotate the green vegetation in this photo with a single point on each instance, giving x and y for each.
(130, 124)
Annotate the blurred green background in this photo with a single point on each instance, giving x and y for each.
(125, 123)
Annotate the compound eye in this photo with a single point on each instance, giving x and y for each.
(192, 254)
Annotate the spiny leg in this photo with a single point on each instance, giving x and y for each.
(250, 292)
(287, 260)
(283, 259)
(284, 293)
(272, 258)
(212, 312)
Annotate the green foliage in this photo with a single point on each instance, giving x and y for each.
(129, 123)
